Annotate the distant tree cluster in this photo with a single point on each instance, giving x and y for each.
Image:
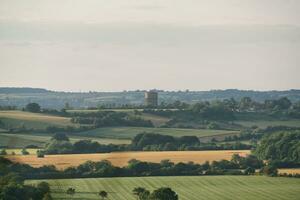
(33, 107)
(163, 193)
(110, 118)
(12, 188)
(282, 148)
(60, 144)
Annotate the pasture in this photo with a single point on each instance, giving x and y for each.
(266, 123)
(187, 187)
(33, 120)
(130, 132)
(22, 140)
(122, 158)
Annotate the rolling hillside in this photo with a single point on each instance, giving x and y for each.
(188, 188)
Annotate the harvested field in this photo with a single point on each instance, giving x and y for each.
(121, 158)
(290, 171)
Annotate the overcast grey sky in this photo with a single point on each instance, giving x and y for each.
(113, 45)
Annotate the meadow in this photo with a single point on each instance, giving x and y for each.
(21, 140)
(130, 132)
(122, 158)
(33, 120)
(187, 187)
(266, 123)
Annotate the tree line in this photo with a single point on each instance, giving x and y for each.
(60, 144)
(236, 166)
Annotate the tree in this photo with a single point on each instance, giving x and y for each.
(71, 191)
(24, 152)
(60, 137)
(245, 104)
(33, 107)
(43, 187)
(269, 170)
(164, 193)
(40, 154)
(3, 152)
(103, 194)
(141, 193)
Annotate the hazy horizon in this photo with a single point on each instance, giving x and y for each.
(97, 45)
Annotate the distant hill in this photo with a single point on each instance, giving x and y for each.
(10, 90)
(51, 99)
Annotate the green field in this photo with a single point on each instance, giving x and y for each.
(33, 120)
(25, 139)
(265, 123)
(130, 132)
(188, 188)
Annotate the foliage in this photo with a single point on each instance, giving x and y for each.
(282, 146)
(3, 152)
(110, 118)
(33, 107)
(24, 152)
(12, 188)
(103, 194)
(164, 193)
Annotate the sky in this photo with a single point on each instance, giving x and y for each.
(115, 45)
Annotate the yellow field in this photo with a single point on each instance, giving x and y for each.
(289, 171)
(121, 158)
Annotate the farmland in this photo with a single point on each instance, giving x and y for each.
(266, 123)
(121, 158)
(22, 140)
(33, 120)
(188, 188)
(130, 132)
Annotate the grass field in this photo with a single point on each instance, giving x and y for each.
(33, 120)
(130, 132)
(25, 139)
(121, 158)
(264, 124)
(188, 188)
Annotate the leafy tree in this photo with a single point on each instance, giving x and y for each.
(43, 187)
(40, 154)
(141, 193)
(246, 103)
(269, 170)
(3, 152)
(60, 137)
(24, 152)
(103, 194)
(33, 107)
(164, 193)
(71, 191)
(282, 146)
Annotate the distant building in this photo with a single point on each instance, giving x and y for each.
(151, 99)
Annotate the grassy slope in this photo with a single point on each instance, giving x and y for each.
(188, 188)
(264, 123)
(22, 140)
(33, 120)
(130, 132)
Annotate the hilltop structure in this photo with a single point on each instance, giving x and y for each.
(151, 98)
